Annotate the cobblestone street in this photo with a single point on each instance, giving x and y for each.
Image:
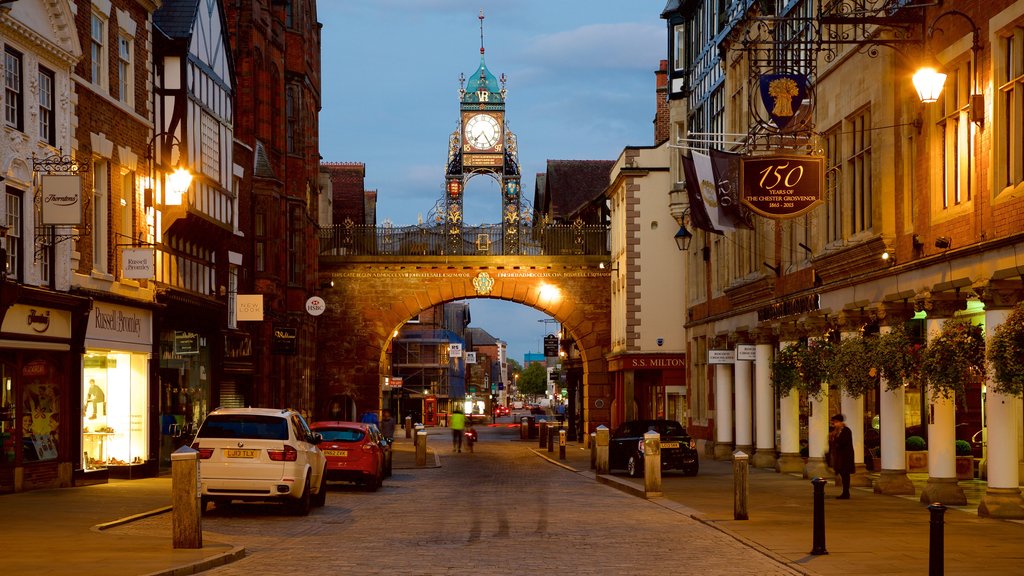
(500, 510)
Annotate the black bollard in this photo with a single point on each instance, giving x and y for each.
(936, 547)
(818, 548)
(551, 438)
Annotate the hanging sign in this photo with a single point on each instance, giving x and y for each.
(249, 307)
(782, 95)
(315, 306)
(550, 346)
(138, 263)
(782, 186)
(284, 340)
(62, 199)
(455, 350)
(470, 357)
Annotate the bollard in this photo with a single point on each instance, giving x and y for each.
(524, 428)
(602, 449)
(936, 546)
(561, 444)
(741, 488)
(542, 433)
(593, 450)
(421, 447)
(408, 426)
(551, 438)
(652, 463)
(818, 547)
(186, 497)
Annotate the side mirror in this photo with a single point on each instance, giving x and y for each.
(316, 439)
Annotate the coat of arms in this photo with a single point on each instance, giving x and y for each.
(782, 95)
(483, 283)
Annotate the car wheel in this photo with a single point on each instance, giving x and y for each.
(301, 506)
(634, 467)
(321, 494)
(372, 483)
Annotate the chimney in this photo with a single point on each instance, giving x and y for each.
(661, 119)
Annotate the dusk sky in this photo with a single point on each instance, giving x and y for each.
(580, 87)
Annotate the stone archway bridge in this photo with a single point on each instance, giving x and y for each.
(376, 279)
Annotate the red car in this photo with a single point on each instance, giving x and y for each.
(501, 410)
(354, 452)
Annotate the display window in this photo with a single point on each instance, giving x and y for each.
(184, 385)
(41, 402)
(115, 398)
(8, 429)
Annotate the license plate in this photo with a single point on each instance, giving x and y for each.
(338, 453)
(240, 453)
(670, 444)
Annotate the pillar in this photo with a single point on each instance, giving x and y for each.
(817, 435)
(942, 484)
(744, 417)
(893, 477)
(1002, 498)
(790, 460)
(764, 399)
(723, 412)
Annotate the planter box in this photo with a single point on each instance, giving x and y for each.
(965, 467)
(917, 460)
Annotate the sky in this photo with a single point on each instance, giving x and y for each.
(580, 81)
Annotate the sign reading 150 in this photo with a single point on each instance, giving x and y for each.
(779, 186)
(781, 173)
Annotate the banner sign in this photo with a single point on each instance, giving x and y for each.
(62, 199)
(782, 186)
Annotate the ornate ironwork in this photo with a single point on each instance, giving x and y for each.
(46, 234)
(59, 163)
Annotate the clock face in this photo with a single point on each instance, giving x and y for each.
(482, 132)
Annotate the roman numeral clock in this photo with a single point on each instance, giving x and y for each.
(482, 145)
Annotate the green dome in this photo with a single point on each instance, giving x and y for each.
(482, 79)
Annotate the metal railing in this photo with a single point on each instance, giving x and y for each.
(484, 240)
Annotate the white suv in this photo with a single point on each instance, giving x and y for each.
(260, 454)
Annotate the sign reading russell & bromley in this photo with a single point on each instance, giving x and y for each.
(782, 186)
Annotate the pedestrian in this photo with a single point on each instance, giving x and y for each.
(840, 448)
(387, 426)
(458, 423)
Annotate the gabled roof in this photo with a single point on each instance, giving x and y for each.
(481, 337)
(572, 184)
(175, 18)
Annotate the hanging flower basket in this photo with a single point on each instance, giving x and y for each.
(954, 358)
(786, 369)
(900, 358)
(1006, 354)
(816, 361)
(855, 365)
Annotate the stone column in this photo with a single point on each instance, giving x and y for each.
(942, 484)
(764, 399)
(723, 412)
(817, 419)
(892, 477)
(853, 407)
(790, 460)
(1002, 498)
(744, 418)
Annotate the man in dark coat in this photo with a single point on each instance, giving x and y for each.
(840, 448)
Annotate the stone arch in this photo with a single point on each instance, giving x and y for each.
(368, 301)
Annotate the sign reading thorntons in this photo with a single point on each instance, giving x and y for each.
(782, 186)
(62, 199)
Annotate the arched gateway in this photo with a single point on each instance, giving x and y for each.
(372, 296)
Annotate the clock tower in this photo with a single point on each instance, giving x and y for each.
(482, 144)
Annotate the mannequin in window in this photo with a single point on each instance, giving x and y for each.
(95, 396)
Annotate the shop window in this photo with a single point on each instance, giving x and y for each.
(41, 397)
(114, 411)
(8, 430)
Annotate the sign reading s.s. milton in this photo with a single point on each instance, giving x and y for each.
(782, 186)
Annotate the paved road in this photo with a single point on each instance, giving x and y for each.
(499, 510)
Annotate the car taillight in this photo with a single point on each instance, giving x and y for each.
(204, 453)
(288, 454)
(367, 447)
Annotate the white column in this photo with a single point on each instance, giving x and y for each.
(941, 417)
(817, 435)
(764, 401)
(723, 411)
(893, 475)
(1002, 499)
(744, 432)
(790, 460)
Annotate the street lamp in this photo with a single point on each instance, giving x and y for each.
(929, 80)
(683, 236)
(178, 179)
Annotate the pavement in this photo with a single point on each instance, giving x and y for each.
(65, 531)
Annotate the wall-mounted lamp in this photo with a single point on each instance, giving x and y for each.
(177, 180)
(889, 257)
(327, 284)
(683, 238)
(929, 80)
(943, 242)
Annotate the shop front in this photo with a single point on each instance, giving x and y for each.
(115, 390)
(40, 400)
(648, 386)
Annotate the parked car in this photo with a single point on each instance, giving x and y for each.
(537, 409)
(678, 450)
(354, 452)
(260, 454)
(385, 445)
(502, 410)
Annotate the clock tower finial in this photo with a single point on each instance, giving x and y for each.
(481, 31)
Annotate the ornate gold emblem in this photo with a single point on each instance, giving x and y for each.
(483, 283)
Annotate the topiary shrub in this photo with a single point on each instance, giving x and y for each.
(915, 443)
(963, 448)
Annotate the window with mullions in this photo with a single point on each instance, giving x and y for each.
(858, 172)
(12, 241)
(260, 234)
(97, 50)
(296, 261)
(125, 69)
(832, 141)
(954, 130)
(47, 114)
(14, 114)
(1009, 110)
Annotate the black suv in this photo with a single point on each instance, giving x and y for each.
(626, 447)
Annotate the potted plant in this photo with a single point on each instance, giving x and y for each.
(1005, 351)
(917, 456)
(954, 358)
(964, 460)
